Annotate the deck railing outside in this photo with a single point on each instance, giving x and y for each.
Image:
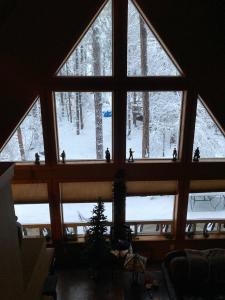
(37, 230)
(72, 231)
(205, 227)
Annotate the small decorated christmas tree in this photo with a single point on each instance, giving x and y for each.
(97, 246)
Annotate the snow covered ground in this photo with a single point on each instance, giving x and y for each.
(83, 146)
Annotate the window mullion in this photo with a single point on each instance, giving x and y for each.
(119, 75)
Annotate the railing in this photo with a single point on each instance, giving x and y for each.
(153, 227)
(202, 227)
(37, 230)
(205, 227)
(74, 230)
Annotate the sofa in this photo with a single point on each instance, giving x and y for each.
(195, 274)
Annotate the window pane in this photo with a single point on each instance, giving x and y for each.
(84, 124)
(81, 212)
(27, 139)
(153, 123)
(209, 206)
(32, 213)
(149, 208)
(93, 55)
(208, 136)
(146, 57)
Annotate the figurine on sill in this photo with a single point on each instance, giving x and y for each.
(196, 154)
(131, 158)
(174, 154)
(63, 155)
(37, 159)
(107, 155)
(19, 230)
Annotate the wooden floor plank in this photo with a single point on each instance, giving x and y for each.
(77, 284)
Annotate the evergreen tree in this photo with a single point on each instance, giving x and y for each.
(97, 246)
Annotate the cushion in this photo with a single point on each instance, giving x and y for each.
(179, 270)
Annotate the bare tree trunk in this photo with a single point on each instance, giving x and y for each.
(36, 117)
(70, 107)
(145, 95)
(77, 114)
(103, 64)
(70, 118)
(97, 95)
(76, 65)
(129, 115)
(34, 111)
(83, 64)
(81, 112)
(76, 69)
(62, 99)
(62, 104)
(82, 57)
(20, 142)
(85, 60)
(98, 125)
(67, 112)
(164, 140)
(134, 109)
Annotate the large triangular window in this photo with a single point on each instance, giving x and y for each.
(208, 136)
(145, 55)
(27, 138)
(93, 55)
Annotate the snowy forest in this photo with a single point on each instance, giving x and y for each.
(84, 119)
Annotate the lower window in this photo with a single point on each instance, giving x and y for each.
(76, 217)
(150, 215)
(206, 213)
(35, 219)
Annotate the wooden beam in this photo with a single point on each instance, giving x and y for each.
(119, 133)
(103, 171)
(49, 127)
(55, 210)
(180, 213)
(185, 153)
(117, 82)
(187, 125)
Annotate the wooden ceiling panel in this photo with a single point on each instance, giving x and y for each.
(42, 33)
(193, 32)
(34, 41)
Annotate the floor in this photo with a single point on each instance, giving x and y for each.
(77, 284)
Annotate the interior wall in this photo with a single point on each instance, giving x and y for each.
(11, 281)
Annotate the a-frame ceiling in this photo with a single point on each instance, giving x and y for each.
(36, 36)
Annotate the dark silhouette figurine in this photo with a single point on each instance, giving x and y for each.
(131, 158)
(37, 159)
(19, 230)
(196, 154)
(107, 155)
(174, 154)
(63, 155)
